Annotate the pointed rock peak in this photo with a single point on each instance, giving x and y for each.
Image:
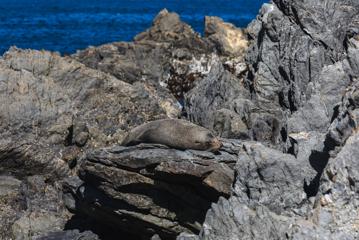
(163, 13)
(167, 26)
(167, 21)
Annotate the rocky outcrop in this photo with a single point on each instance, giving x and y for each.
(55, 109)
(228, 39)
(299, 60)
(30, 207)
(282, 95)
(267, 192)
(302, 65)
(169, 55)
(152, 189)
(273, 197)
(52, 110)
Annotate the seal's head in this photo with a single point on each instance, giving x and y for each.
(205, 140)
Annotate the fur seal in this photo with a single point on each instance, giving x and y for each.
(175, 133)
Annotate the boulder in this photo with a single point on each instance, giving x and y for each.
(228, 39)
(55, 108)
(151, 189)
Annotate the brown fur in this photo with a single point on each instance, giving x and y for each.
(174, 133)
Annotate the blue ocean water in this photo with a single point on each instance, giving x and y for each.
(68, 25)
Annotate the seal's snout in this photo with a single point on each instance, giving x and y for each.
(216, 144)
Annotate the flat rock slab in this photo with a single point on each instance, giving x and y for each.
(148, 189)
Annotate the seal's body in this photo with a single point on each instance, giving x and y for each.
(174, 133)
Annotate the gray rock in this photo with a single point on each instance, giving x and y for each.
(55, 108)
(294, 100)
(303, 72)
(210, 103)
(51, 103)
(168, 56)
(271, 178)
(149, 189)
(69, 235)
(228, 39)
(155, 237)
(12, 204)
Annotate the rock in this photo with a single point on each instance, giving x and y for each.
(339, 193)
(282, 214)
(11, 204)
(45, 210)
(167, 27)
(148, 189)
(30, 207)
(155, 237)
(169, 55)
(300, 65)
(303, 78)
(33, 224)
(228, 124)
(53, 100)
(267, 192)
(282, 95)
(69, 235)
(209, 102)
(55, 108)
(222, 102)
(229, 219)
(228, 39)
(271, 178)
(187, 236)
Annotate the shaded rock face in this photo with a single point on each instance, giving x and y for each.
(223, 102)
(30, 207)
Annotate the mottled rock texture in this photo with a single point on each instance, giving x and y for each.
(283, 96)
(151, 189)
(303, 72)
(56, 109)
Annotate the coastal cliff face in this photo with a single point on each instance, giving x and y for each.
(283, 95)
(303, 72)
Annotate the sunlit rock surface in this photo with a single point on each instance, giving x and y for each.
(282, 95)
